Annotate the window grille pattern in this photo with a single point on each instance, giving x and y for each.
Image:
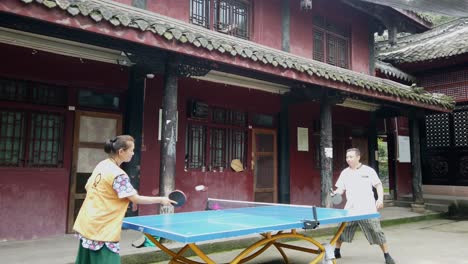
(445, 78)
(319, 49)
(11, 138)
(217, 141)
(31, 139)
(458, 92)
(337, 51)
(195, 146)
(331, 43)
(231, 17)
(45, 148)
(460, 127)
(32, 92)
(200, 13)
(438, 130)
(13, 90)
(218, 147)
(238, 144)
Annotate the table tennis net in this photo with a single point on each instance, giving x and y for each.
(222, 204)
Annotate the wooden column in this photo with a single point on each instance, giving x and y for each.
(284, 154)
(415, 149)
(285, 25)
(326, 149)
(168, 135)
(134, 123)
(373, 145)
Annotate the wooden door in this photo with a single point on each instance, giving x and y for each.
(91, 131)
(264, 165)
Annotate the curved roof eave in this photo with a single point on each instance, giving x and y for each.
(180, 33)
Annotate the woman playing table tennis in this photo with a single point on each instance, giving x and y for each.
(108, 194)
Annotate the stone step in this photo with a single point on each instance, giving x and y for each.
(436, 207)
(448, 200)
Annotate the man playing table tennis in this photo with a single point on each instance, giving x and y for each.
(357, 181)
(108, 194)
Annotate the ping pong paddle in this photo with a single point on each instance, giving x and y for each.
(179, 197)
(336, 198)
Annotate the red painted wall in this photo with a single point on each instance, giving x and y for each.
(266, 24)
(301, 30)
(304, 173)
(36, 200)
(227, 185)
(404, 172)
(176, 9)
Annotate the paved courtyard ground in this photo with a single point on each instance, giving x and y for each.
(426, 242)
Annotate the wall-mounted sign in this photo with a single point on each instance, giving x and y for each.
(302, 139)
(404, 154)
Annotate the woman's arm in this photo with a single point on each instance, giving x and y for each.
(140, 199)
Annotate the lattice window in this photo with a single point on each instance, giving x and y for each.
(38, 146)
(331, 43)
(226, 131)
(219, 116)
(337, 51)
(238, 144)
(45, 144)
(195, 146)
(445, 78)
(460, 127)
(11, 138)
(438, 130)
(32, 92)
(458, 92)
(231, 17)
(218, 147)
(13, 90)
(319, 50)
(200, 12)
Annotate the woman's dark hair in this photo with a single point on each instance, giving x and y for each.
(112, 146)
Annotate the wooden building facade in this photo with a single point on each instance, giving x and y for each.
(199, 84)
(436, 60)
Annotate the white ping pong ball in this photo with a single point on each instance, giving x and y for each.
(199, 187)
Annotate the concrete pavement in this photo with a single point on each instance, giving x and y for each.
(424, 242)
(62, 249)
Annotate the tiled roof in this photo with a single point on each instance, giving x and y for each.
(389, 70)
(442, 42)
(184, 33)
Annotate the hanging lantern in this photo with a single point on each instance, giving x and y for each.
(306, 5)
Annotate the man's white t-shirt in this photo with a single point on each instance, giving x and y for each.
(358, 186)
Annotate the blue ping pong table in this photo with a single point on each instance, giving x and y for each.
(191, 228)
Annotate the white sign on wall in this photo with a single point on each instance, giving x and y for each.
(302, 139)
(404, 154)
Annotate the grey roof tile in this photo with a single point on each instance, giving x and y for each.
(442, 42)
(172, 29)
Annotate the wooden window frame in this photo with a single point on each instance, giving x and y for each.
(27, 138)
(209, 13)
(232, 140)
(329, 31)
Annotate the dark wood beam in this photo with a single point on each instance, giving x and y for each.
(415, 149)
(326, 149)
(168, 134)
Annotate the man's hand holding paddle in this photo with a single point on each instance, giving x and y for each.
(336, 196)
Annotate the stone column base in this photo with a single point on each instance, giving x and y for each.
(418, 208)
